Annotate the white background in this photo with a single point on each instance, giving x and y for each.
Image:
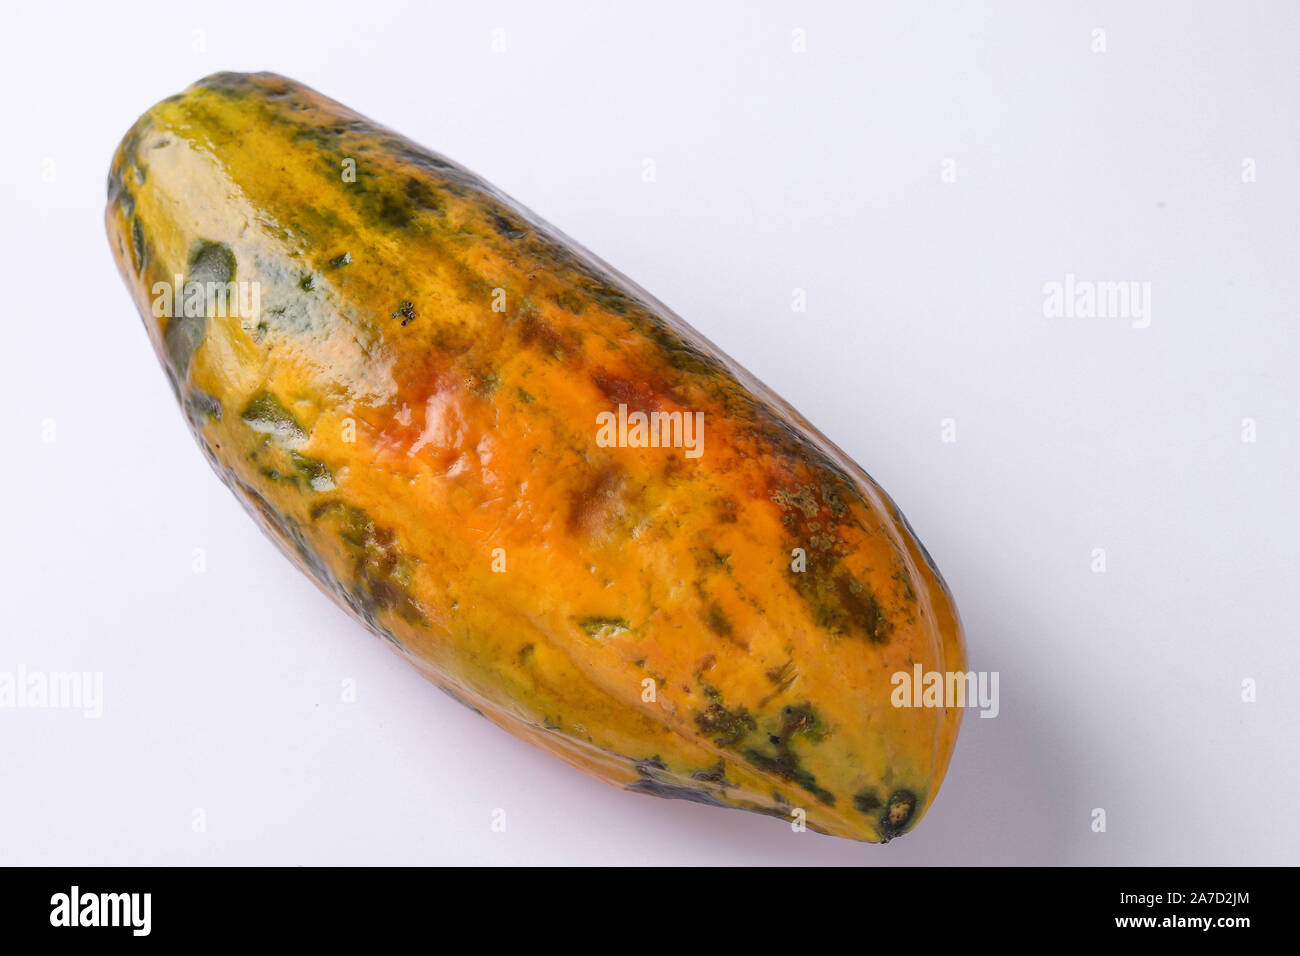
(775, 170)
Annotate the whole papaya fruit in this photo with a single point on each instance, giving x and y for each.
(561, 503)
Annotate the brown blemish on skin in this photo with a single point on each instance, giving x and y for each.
(592, 507)
(727, 726)
(783, 677)
(638, 396)
(715, 774)
(536, 332)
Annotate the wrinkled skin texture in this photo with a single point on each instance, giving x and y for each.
(412, 416)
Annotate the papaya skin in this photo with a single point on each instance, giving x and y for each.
(410, 413)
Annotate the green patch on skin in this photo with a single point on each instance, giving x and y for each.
(797, 721)
(718, 623)
(867, 801)
(843, 605)
(307, 283)
(315, 472)
(691, 360)
(727, 726)
(381, 572)
(395, 211)
(210, 262)
(838, 602)
(421, 194)
(524, 396)
(338, 262)
(525, 653)
(266, 415)
(137, 244)
(800, 720)
(601, 628)
(786, 766)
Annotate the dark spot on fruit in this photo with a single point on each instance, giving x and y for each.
(726, 727)
(867, 801)
(395, 212)
(656, 781)
(407, 311)
(264, 413)
(508, 228)
(137, 245)
(211, 264)
(536, 332)
(781, 675)
(898, 814)
(715, 774)
(313, 472)
(786, 766)
(381, 572)
(717, 622)
(423, 196)
(840, 603)
(637, 396)
(801, 720)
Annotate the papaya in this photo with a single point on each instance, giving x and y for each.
(571, 511)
